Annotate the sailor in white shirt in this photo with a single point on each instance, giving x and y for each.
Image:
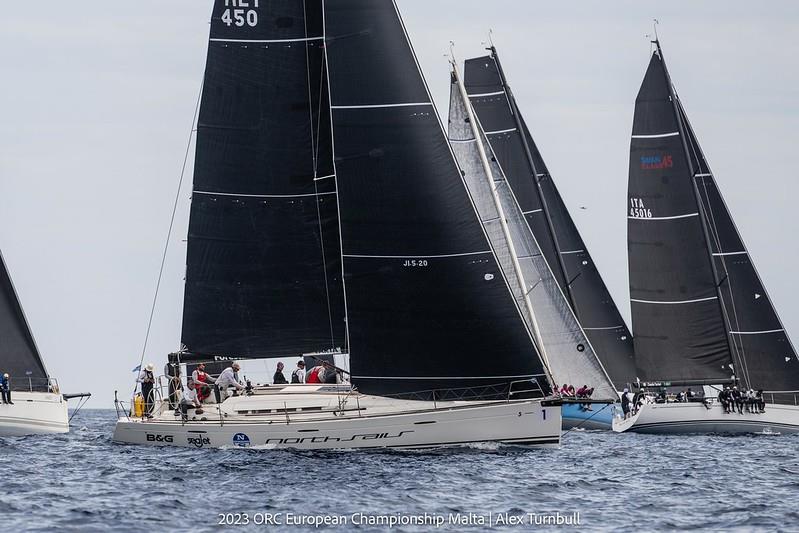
(189, 401)
(227, 379)
(298, 376)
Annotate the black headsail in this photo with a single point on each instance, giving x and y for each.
(763, 354)
(548, 217)
(19, 357)
(264, 271)
(699, 308)
(428, 306)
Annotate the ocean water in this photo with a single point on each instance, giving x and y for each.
(84, 482)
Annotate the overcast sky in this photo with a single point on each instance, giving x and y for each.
(97, 100)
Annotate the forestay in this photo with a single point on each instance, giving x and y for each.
(764, 356)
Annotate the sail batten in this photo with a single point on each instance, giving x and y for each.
(566, 350)
(263, 275)
(730, 328)
(547, 215)
(441, 316)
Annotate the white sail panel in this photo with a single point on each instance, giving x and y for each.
(569, 354)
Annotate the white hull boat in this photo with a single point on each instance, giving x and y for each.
(333, 417)
(697, 417)
(34, 413)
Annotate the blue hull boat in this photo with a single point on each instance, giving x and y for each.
(597, 416)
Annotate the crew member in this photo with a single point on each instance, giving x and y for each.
(5, 389)
(147, 381)
(279, 378)
(228, 378)
(738, 398)
(760, 401)
(189, 401)
(625, 403)
(298, 376)
(317, 374)
(201, 380)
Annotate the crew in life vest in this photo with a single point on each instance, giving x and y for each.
(201, 380)
(298, 376)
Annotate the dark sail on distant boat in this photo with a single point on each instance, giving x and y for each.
(428, 305)
(19, 356)
(566, 350)
(263, 275)
(298, 181)
(700, 311)
(548, 217)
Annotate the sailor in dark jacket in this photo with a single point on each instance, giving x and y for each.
(279, 378)
(625, 403)
(5, 389)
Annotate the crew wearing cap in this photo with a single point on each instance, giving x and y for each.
(228, 378)
(147, 380)
(298, 376)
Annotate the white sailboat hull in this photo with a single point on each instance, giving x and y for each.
(34, 413)
(692, 417)
(303, 419)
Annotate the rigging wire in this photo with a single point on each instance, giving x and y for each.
(193, 129)
(315, 143)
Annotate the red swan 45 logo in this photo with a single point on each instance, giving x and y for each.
(649, 162)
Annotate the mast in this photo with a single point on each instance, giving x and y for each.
(536, 178)
(501, 211)
(700, 205)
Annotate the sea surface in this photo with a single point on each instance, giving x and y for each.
(84, 482)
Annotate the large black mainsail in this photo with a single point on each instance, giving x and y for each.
(699, 308)
(328, 210)
(428, 305)
(263, 273)
(19, 356)
(548, 217)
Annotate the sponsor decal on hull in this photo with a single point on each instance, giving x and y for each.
(323, 439)
(198, 441)
(241, 440)
(160, 438)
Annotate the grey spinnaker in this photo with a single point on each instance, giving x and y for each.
(567, 351)
(545, 211)
(19, 356)
(700, 310)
